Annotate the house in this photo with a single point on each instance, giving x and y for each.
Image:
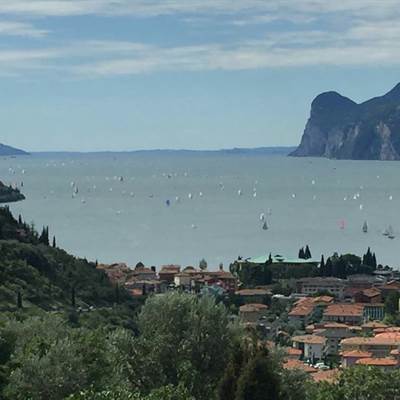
(313, 346)
(252, 295)
(390, 287)
(252, 312)
(370, 326)
(305, 309)
(144, 274)
(380, 345)
(330, 376)
(374, 311)
(352, 314)
(222, 278)
(297, 364)
(167, 273)
(292, 354)
(372, 295)
(312, 286)
(334, 333)
(350, 357)
(183, 280)
(385, 363)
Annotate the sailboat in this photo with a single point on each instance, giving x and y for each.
(265, 226)
(390, 232)
(365, 227)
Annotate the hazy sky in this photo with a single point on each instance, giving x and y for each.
(134, 74)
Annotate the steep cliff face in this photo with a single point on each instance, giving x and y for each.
(340, 128)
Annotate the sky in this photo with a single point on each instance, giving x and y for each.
(90, 75)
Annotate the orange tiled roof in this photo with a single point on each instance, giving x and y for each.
(393, 285)
(378, 362)
(297, 364)
(372, 292)
(344, 310)
(374, 325)
(386, 338)
(323, 299)
(326, 376)
(356, 354)
(309, 339)
(253, 307)
(291, 351)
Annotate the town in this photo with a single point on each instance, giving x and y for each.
(320, 322)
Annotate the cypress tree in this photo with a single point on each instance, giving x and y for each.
(307, 253)
(54, 242)
(258, 381)
(374, 260)
(117, 293)
(73, 300)
(19, 300)
(19, 219)
(322, 268)
(328, 267)
(301, 253)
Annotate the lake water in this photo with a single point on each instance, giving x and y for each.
(305, 202)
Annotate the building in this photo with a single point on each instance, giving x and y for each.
(380, 345)
(374, 311)
(372, 295)
(292, 354)
(334, 333)
(252, 312)
(168, 272)
(350, 357)
(312, 346)
(253, 295)
(144, 274)
(390, 287)
(297, 364)
(352, 314)
(385, 363)
(306, 308)
(312, 286)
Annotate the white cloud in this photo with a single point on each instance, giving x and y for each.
(370, 8)
(14, 28)
(354, 32)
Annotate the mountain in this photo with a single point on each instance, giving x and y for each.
(342, 129)
(11, 151)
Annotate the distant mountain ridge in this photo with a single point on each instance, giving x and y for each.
(278, 150)
(342, 129)
(11, 151)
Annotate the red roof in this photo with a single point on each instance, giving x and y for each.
(356, 354)
(297, 364)
(378, 362)
(344, 310)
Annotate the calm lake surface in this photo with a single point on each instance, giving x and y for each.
(305, 201)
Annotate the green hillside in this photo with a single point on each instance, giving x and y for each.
(46, 277)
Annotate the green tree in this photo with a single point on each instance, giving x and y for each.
(392, 303)
(258, 380)
(203, 264)
(359, 383)
(19, 300)
(179, 337)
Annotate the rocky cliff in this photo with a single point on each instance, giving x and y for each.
(340, 128)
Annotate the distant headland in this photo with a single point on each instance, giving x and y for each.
(339, 128)
(11, 151)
